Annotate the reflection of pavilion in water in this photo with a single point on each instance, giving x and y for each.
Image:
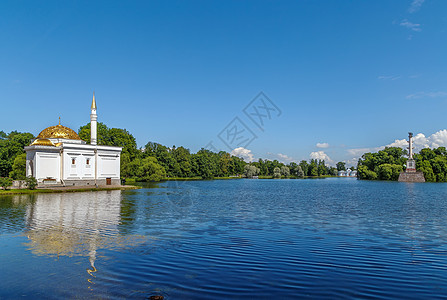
(76, 224)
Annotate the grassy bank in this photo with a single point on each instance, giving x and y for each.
(66, 190)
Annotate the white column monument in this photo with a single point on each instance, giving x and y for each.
(411, 164)
(410, 174)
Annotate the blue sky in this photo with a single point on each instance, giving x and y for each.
(347, 76)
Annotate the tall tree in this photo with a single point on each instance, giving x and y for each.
(11, 145)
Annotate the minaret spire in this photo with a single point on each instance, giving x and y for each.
(93, 102)
(93, 122)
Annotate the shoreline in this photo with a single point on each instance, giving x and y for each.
(67, 190)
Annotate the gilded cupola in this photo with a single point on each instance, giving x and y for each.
(58, 132)
(42, 142)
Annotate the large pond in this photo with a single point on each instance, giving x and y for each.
(262, 239)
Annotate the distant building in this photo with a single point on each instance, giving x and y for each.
(59, 157)
(347, 173)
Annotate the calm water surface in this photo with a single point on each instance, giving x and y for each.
(262, 239)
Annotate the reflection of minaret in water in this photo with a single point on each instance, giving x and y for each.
(75, 224)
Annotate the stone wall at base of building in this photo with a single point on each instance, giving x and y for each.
(69, 183)
(19, 184)
(411, 177)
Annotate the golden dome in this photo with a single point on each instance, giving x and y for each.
(42, 142)
(58, 132)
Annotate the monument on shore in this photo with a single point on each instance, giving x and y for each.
(410, 174)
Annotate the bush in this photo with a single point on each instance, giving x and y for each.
(5, 182)
(31, 182)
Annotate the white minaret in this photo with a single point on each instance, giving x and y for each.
(93, 123)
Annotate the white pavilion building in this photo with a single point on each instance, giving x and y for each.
(59, 157)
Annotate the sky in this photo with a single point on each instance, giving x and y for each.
(286, 80)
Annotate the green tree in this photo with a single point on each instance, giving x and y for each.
(183, 159)
(313, 168)
(299, 172)
(224, 163)
(19, 167)
(364, 173)
(333, 171)
(285, 171)
(250, 171)
(388, 171)
(425, 167)
(341, 166)
(11, 145)
(237, 165)
(439, 167)
(385, 164)
(276, 172)
(305, 167)
(150, 170)
(322, 168)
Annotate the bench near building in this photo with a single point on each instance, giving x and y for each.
(58, 157)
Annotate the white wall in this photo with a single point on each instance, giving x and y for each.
(79, 170)
(108, 165)
(45, 162)
(47, 165)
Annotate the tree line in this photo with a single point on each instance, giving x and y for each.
(388, 163)
(155, 162)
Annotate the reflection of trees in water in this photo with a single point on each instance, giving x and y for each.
(77, 224)
(12, 212)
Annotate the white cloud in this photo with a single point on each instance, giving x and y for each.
(352, 162)
(420, 141)
(357, 152)
(243, 153)
(320, 155)
(391, 77)
(280, 157)
(427, 95)
(322, 145)
(410, 25)
(415, 6)
(284, 158)
(439, 139)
